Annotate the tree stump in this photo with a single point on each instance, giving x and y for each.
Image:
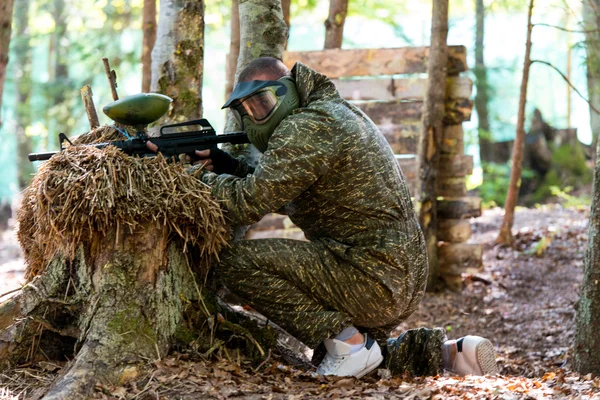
(114, 247)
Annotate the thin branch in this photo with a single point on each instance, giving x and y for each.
(565, 29)
(10, 291)
(568, 82)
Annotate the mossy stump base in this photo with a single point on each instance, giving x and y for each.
(111, 308)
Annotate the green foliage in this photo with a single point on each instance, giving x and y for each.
(569, 200)
(496, 178)
(569, 170)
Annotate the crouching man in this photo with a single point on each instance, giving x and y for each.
(364, 269)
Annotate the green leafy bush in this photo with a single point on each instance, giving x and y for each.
(496, 178)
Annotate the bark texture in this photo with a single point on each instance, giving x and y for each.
(263, 32)
(591, 17)
(481, 99)
(120, 301)
(334, 24)
(149, 28)
(285, 8)
(431, 133)
(587, 340)
(234, 48)
(6, 11)
(505, 236)
(177, 58)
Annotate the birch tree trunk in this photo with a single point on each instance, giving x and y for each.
(264, 33)
(431, 133)
(149, 29)
(591, 17)
(334, 24)
(505, 235)
(587, 340)
(6, 11)
(481, 99)
(178, 57)
(234, 48)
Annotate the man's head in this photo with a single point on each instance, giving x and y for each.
(264, 69)
(264, 96)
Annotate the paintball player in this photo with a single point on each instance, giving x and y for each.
(364, 269)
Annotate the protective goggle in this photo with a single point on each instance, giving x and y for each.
(259, 106)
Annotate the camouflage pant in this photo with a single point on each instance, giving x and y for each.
(312, 294)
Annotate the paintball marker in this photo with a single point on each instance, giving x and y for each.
(142, 109)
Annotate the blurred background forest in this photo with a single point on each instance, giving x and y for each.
(57, 47)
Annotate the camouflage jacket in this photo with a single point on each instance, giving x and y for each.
(333, 173)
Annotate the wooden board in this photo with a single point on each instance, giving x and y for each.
(409, 166)
(388, 89)
(403, 139)
(403, 112)
(336, 63)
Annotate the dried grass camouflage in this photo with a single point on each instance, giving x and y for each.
(83, 192)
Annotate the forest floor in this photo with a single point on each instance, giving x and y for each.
(523, 300)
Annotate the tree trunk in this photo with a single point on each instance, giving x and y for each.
(334, 24)
(587, 340)
(285, 8)
(149, 28)
(6, 10)
(264, 31)
(505, 234)
(110, 285)
(262, 27)
(431, 133)
(591, 16)
(59, 73)
(234, 48)
(481, 99)
(177, 58)
(22, 51)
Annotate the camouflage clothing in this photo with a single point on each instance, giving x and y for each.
(333, 173)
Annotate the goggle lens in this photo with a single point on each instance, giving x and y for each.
(259, 106)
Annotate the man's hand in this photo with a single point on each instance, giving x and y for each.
(217, 160)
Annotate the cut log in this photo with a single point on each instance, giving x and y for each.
(458, 258)
(454, 230)
(453, 141)
(389, 89)
(455, 165)
(459, 207)
(458, 111)
(453, 282)
(336, 63)
(452, 187)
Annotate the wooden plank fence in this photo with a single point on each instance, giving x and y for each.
(369, 78)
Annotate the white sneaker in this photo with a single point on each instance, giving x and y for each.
(470, 355)
(340, 362)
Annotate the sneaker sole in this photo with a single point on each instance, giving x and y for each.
(486, 358)
(370, 368)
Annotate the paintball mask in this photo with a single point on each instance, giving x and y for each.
(259, 106)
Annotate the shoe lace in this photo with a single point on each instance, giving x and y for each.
(331, 363)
